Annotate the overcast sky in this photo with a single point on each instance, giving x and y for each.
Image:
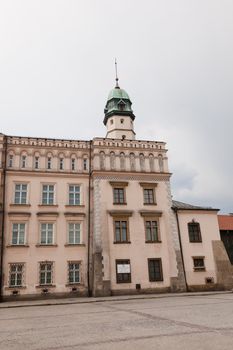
(175, 59)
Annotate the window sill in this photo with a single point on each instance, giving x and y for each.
(76, 284)
(46, 245)
(19, 205)
(15, 287)
(42, 286)
(48, 205)
(150, 203)
(153, 281)
(124, 282)
(199, 269)
(74, 205)
(17, 246)
(195, 241)
(128, 242)
(74, 245)
(120, 203)
(153, 241)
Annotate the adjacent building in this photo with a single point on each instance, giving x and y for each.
(97, 218)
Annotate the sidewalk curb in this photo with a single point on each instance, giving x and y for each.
(54, 302)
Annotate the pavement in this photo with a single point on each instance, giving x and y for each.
(81, 300)
(202, 321)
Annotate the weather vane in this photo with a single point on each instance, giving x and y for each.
(117, 86)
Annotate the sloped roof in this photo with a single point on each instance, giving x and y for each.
(225, 222)
(185, 206)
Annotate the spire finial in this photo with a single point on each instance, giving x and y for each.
(117, 86)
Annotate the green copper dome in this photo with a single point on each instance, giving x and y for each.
(118, 103)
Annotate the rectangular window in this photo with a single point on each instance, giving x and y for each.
(49, 163)
(119, 195)
(148, 196)
(123, 271)
(194, 232)
(152, 231)
(10, 163)
(23, 161)
(20, 194)
(84, 164)
(198, 263)
(18, 234)
(46, 273)
(74, 233)
(155, 270)
(46, 233)
(74, 272)
(121, 231)
(74, 195)
(36, 162)
(72, 164)
(16, 275)
(48, 194)
(61, 163)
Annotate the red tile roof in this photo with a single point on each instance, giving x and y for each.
(225, 222)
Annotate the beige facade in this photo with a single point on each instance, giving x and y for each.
(97, 217)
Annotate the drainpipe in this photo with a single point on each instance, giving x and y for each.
(3, 184)
(181, 248)
(89, 224)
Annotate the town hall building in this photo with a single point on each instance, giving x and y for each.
(97, 218)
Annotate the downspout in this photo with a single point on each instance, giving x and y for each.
(181, 248)
(3, 212)
(89, 224)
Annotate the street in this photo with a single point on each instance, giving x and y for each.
(177, 322)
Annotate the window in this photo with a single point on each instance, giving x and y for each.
(10, 161)
(122, 121)
(61, 163)
(23, 161)
(198, 263)
(46, 273)
(49, 163)
(20, 194)
(16, 275)
(194, 232)
(152, 231)
(18, 234)
(161, 165)
(84, 164)
(36, 162)
(111, 121)
(74, 272)
(123, 271)
(73, 164)
(155, 270)
(74, 194)
(74, 233)
(148, 194)
(118, 195)
(121, 231)
(46, 233)
(48, 194)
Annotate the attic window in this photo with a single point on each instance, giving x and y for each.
(122, 121)
(111, 121)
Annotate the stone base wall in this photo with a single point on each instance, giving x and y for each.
(224, 268)
(140, 291)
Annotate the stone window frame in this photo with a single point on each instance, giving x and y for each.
(149, 215)
(119, 185)
(149, 186)
(197, 268)
(54, 193)
(73, 222)
(20, 191)
(18, 222)
(80, 185)
(121, 216)
(129, 275)
(154, 278)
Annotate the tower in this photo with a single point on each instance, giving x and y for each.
(119, 116)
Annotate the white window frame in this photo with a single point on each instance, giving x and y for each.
(15, 285)
(47, 230)
(47, 199)
(46, 272)
(73, 231)
(74, 270)
(74, 192)
(20, 192)
(18, 232)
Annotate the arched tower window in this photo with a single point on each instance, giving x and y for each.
(151, 162)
